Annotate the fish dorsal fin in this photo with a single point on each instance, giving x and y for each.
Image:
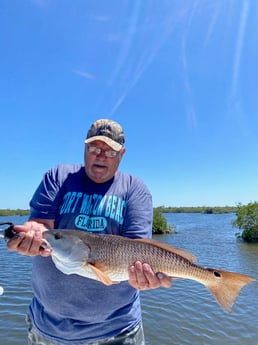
(183, 253)
(102, 276)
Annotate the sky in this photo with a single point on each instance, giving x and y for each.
(181, 77)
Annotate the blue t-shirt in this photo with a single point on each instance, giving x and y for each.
(72, 309)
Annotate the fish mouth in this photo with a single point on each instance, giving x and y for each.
(45, 244)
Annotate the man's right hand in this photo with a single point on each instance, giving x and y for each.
(29, 240)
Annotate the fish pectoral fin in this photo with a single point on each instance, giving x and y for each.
(101, 275)
(84, 264)
(181, 252)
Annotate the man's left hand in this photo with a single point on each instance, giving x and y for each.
(142, 277)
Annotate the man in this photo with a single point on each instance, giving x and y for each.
(95, 197)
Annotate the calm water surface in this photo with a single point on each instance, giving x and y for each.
(186, 314)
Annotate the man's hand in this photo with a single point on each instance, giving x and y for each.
(29, 239)
(142, 277)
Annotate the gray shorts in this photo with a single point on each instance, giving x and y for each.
(134, 336)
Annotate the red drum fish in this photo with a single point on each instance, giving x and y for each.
(107, 258)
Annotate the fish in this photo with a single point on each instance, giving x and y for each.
(107, 257)
(7, 233)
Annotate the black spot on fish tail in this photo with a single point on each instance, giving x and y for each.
(217, 274)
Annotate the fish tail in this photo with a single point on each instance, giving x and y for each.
(226, 287)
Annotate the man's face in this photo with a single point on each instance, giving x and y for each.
(98, 166)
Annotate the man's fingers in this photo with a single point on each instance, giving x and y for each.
(14, 243)
(142, 277)
(27, 243)
(137, 277)
(132, 277)
(150, 276)
(165, 281)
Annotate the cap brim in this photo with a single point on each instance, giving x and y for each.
(113, 144)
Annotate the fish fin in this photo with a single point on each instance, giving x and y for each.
(183, 253)
(101, 275)
(227, 286)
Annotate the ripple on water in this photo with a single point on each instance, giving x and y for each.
(185, 314)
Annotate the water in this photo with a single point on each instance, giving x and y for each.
(15, 276)
(186, 314)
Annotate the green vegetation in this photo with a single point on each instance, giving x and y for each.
(247, 220)
(162, 209)
(160, 225)
(18, 212)
(198, 209)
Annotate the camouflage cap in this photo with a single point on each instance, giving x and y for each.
(108, 131)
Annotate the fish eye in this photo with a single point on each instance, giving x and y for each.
(58, 235)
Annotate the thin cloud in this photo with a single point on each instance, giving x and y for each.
(132, 62)
(217, 7)
(239, 48)
(190, 110)
(85, 74)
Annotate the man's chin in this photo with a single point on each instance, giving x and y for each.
(98, 178)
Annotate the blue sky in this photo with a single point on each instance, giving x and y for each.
(180, 76)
